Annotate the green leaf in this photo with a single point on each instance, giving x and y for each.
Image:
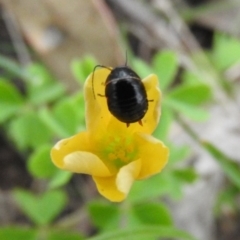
(143, 233)
(82, 68)
(40, 164)
(65, 114)
(29, 131)
(165, 65)
(194, 94)
(17, 233)
(70, 113)
(77, 70)
(110, 212)
(188, 175)
(78, 104)
(41, 209)
(141, 68)
(226, 51)
(52, 124)
(177, 154)
(39, 75)
(189, 77)
(42, 87)
(229, 166)
(64, 235)
(156, 186)
(190, 111)
(45, 94)
(89, 62)
(59, 179)
(153, 214)
(162, 130)
(10, 100)
(175, 186)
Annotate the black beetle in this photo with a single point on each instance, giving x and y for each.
(126, 95)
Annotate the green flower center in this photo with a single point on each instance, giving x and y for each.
(117, 151)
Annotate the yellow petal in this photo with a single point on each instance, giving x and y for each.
(75, 154)
(97, 114)
(152, 116)
(117, 188)
(153, 154)
(85, 162)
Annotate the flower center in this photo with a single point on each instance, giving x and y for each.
(117, 151)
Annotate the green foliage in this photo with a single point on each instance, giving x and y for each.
(32, 119)
(187, 99)
(166, 120)
(29, 131)
(59, 179)
(69, 113)
(40, 164)
(82, 68)
(187, 110)
(141, 67)
(16, 233)
(63, 235)
(110, 212)
(184, 94)
(189, 77)
(226, 51)
(52, 123)
(178, 154)
(41, 209)
(156, 186)
(186, 175)
(165, 65)
(151, 213)
(41, 87)
(143, 233)
(10, 100)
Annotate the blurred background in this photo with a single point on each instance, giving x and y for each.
(49, 47)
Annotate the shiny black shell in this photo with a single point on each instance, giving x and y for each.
(126, 95)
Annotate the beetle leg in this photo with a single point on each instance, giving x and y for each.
(128, 124)
(140, 122)
(150, 100)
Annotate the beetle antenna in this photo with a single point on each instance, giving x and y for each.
(126, 57)
(97, 66)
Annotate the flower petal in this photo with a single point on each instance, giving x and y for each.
(97, 113)
(153, 154)
(75, 154)
(152, 116)
(117, 188)
(85, 162)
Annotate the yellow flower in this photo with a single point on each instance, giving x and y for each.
(114, 154)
